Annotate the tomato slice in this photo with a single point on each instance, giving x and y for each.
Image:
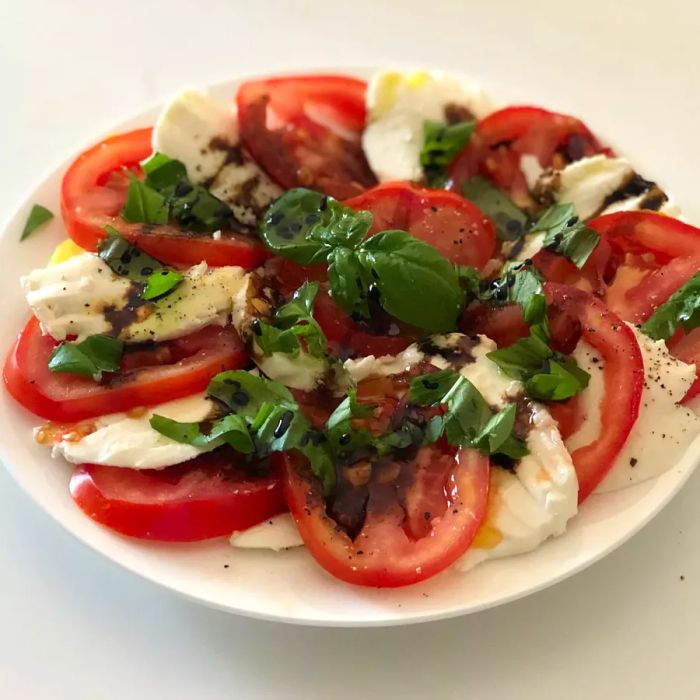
(623, 375)
(305, 131)
(209, 496)
(503, 324)
(450, 223)
(448, 491)
(93, 192)
(686, 347)
(193, 361)
(501, 138)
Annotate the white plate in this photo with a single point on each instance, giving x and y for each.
(289, 586)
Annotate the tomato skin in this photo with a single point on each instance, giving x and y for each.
(305, 131)
(503, 324)
(197, 500)
(450, 223)
(383, 554)
(93, 192)
(624, 380)
(503, 136)
(67, 397)
(686, 347)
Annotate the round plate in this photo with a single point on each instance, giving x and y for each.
(289, 586)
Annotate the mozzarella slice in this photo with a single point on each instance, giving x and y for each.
(596, 185)
(203, 133)
(535, 500)
(663, 429)
(276, 533)
(398, 104)
(127, 439)
(83, 296)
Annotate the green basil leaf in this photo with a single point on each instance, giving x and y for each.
(349, 283)
(566, 234)
(244, 393)
(469, 279)
(38, 216)
(681, 309)
(511, 222)
(230, 429)
(305, 226)
(524, 358)
(441, 143)
(513, 448)
(154, 161)
(161, 283)
(162, 172)
(429, 389)
(562, 381)
(415, 283)
(144, 204)
(496, 431)
(521, 284)
(91, 357)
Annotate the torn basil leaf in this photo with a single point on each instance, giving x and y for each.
(38, 216)
(144, 204)
(681, 310)
(519, 283)
(468, 420)
(566, 234)
(441, 143)
(511, 222)
(90, 358)
(230, 430)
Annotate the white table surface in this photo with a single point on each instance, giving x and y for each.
(73, 625)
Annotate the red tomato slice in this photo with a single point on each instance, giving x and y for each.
(504, 136)
(687, 348)
(93, 192)
(210, 496)
(305, 131)
(450, 223)
(391, 550)
(503, 324)
(194, 360)
(624, 380)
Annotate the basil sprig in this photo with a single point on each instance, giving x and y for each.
(547, 375)
(293, 323)
(519, 283)
(441, 143)
(262, 417)
(407, 277)
(167, 192)
(126, 260)
(90, 358)
(564, 233)
(681, 310)
(38, 216)
(468, 420)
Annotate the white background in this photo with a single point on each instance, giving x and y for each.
(73, 625)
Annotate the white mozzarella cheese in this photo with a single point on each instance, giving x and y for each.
(78, 296)
(279, 532)
(663, 429)
(203, 133)
(127, 439)
(301, 371)
(398, 104)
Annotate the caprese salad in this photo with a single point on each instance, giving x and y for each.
(390, 322)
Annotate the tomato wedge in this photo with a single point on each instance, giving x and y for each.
(192, 362)
(624, 380)
(93, 192)
(390, 549)
(305, 131)
(501, 138)
(450, 223)
(210, 496)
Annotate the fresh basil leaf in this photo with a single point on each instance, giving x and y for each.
(429, 389)
(342, 437)
(294, 321)
(91, 357)
(305, 226)
(497, 430)
(38, 216)
(469, 279)
(519, 283)
(681, 310)
(144, 204)
(414, 282)
(511, 222)
(350, 283)
(566, 234)
(441, 143)
(161, 283)
(230, 429)
(162, 171)
(547, 375)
